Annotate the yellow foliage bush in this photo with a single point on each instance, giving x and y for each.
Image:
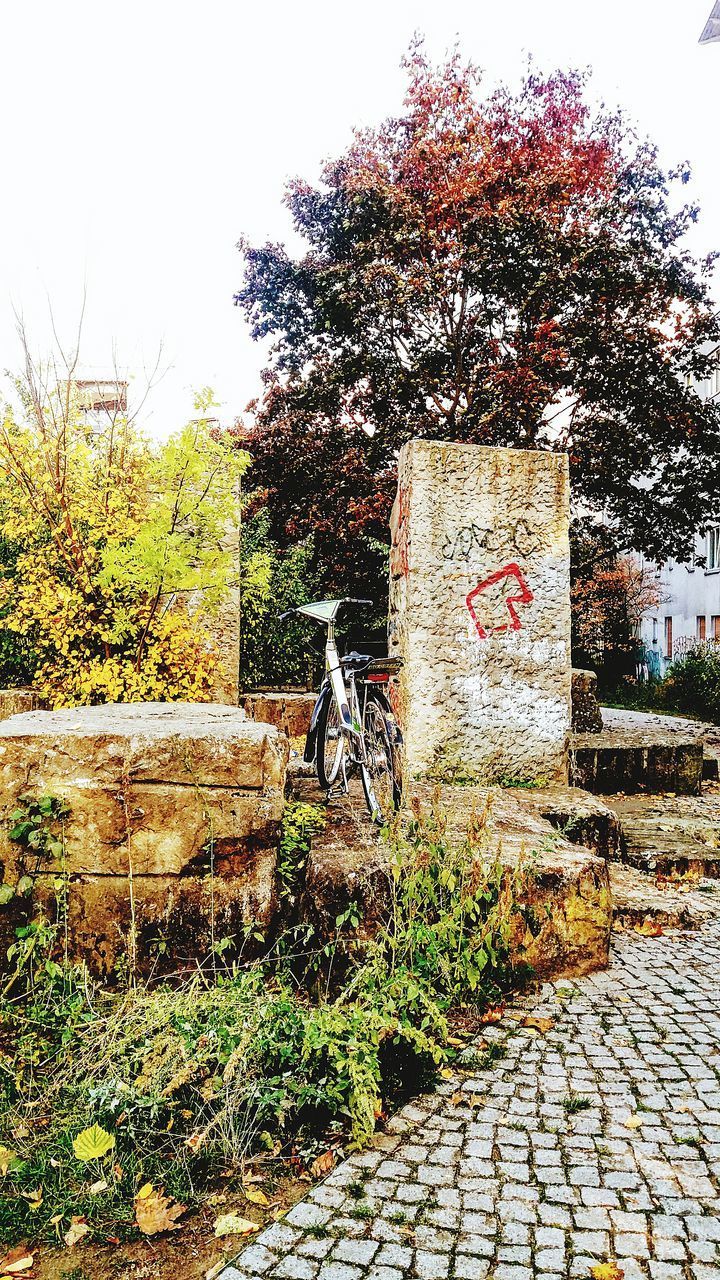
(120, 548)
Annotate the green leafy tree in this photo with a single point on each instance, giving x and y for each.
(507, 269)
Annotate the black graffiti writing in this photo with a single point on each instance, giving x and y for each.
(475, 537)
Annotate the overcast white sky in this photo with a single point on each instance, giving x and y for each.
(141, 138)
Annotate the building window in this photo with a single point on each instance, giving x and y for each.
(700, 626)
(654, 622)
(668, 638)
(713, 548)
(715, 623)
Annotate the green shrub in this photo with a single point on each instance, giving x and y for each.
(274, 652)
(693, 682)
(191, 1079)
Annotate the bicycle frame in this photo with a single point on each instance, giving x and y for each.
(347, 735)
(334, 672)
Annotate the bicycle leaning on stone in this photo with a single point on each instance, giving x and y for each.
(353, 729)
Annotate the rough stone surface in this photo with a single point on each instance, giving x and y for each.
(598, 1139)
(638, 897)
(480, 610)
(580, 816)
(671, 835)
(15, 701)
(633, 760)
(586, 713)
(564, 921)
(287, 710)
(174, 808)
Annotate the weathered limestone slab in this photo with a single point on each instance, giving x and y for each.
(289, 711)
(632, 760)
(670, 835)
(15, 701)
(480, 610)
(562, 924)
(174, 810)
(580, 816)
(185, 743)
(586, 713)
(638, 897)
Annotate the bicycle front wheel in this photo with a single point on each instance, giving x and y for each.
(331, 744)
(381, 778)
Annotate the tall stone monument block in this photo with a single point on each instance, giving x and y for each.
(480, 610)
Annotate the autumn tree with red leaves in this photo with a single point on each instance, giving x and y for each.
(505, 269)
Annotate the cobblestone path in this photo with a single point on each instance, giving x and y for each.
(598, 1139)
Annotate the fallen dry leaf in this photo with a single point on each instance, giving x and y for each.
(493, 1015)
(97, 1187)
(607, 1271)
(320, 1167)
(539, 1024)
(446, 1073)
(17, 1261)
(255, 1196)
(456, 1042)
(77, 1229)
(34, 1198)
(649, 929)
(231, 1224)
(632, 1122)
(155, 1212)
(6, 1158)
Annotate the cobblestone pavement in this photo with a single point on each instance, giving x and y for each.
(598, 1139)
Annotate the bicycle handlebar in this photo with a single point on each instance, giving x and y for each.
(282, 617)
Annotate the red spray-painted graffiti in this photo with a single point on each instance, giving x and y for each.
(521, 595)
(399, 525)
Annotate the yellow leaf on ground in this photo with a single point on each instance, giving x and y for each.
(607, 1271)
(540, 1024)
(93, 1143)
(455, 1042)
(34, 1198)
(319, 1168)
(155, 1212)
(6, 1158)
(17, 1261)
(255, 1196)
(97, 1187)
(77, 1229)
(231, 1224)
(145, 1191)
(447, 1074)
(633, 1122)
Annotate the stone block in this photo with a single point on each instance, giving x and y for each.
(562, 923)
(636, 760)
(586, 713)
(288, 710)
(166, 922)
(15, 701)
(480, 610)
(174, 813)
(188, 744)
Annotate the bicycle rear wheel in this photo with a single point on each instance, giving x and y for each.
(381, 776)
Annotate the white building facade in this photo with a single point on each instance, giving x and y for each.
(688, 610)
